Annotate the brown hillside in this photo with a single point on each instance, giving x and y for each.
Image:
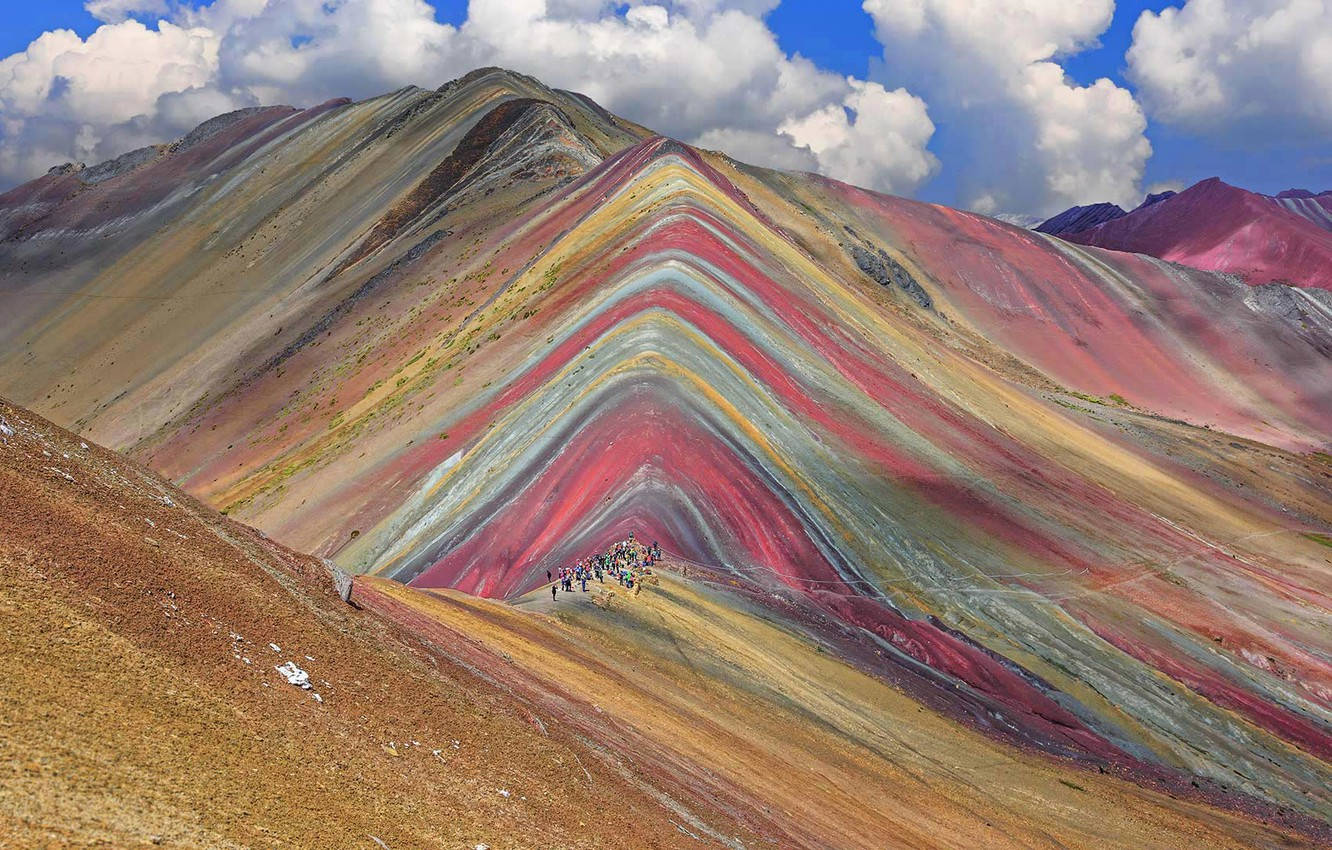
(131, 717)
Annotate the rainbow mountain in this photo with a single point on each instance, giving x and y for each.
(1069, 499)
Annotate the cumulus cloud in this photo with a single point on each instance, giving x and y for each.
(1027, 138)
(306, 51)
(706, 71)
(870, 129)
(69, 98)
(118, 10)
(715, 76)
(1254, 69)
(777, 150)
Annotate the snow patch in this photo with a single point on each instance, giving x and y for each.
(294, 675)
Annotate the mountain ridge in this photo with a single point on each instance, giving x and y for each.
(1286, 238)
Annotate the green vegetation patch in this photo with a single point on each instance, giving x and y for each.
(1323, 539)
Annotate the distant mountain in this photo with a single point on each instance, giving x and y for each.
(1075, 219)
(1156, 198)
(1218, 227)
(1302, 202)
(1024, 220)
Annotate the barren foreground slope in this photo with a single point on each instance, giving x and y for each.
(140, 704)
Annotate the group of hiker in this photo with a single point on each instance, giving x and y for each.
(628, 562)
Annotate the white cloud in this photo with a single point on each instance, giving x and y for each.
(1008, 32)
(114, 11)
(720, 80)
(701, 70)
(774, 149)
(672, 72)
(68, 98)
(1024, 136)
(1165, 186)
(874, 137)
(1255, 69)
(305, 51)
(119, 72)
(1090, 140)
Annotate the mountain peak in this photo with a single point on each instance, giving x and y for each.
(492, 75)
(1156, 198)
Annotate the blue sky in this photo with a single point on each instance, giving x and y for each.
(839, 37)
(25, 21)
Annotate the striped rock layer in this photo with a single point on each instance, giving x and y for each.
(458, 338)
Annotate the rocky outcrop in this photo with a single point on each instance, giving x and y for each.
(122, 164)
(886, 271)
(217, 124)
